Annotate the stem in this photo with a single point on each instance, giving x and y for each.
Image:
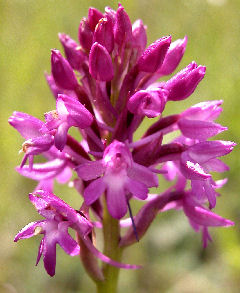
(111, 234)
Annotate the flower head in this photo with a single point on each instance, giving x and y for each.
(120, 177)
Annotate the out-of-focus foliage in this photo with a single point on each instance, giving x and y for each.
(172, 255)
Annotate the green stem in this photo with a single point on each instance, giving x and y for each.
(111, 234)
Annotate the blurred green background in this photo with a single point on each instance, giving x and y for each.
(171, 253)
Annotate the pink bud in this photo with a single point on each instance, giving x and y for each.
(109, 12)
(85, 35)
(94, 16)
(139, 35)
(173, 57)
(184, 83)
(104, 34)
(62, 72)
(153, 56)
(100, 63)
(123, 27)
(73, 52)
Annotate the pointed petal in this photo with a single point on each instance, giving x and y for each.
(40, 250)
(216, 165)
(211, 194)
(49, 255)
(138, 189)
(204, 217)
(192, 170)
(207, 150)
(197, 129)
(28, 231)
(94, 190)
(143, 174)
(60, 137)
(69, 245)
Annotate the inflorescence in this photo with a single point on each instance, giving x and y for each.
(105, 86)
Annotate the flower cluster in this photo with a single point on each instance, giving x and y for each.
(105, 86)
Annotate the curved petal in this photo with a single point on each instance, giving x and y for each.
(210, 193)
(49, 255)
(143, 174)
(69, 245)
(192, 170)
(138, 189)
(204, 217)
(40, 250)
(197, 129)
(94, 190)
(216, 165)
(28, 231)
(60, 137)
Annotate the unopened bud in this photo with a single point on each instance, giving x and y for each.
(123, 27)
(184, 83)
(173, 57)
(104, 34)
(73, 52)
(85, 34)
(94, 16)
(100, 63)
(62, 72)
(152, 58)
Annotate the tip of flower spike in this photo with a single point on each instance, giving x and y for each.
(153, 57)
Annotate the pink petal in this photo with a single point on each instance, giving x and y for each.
(28, 231)
(49, 255)
(90, 170)
(138, 189)
(94, 190)
(143, 174)
(69, 245)
(40, 250)
(116, 202)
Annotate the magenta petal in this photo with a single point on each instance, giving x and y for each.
(28, 231)
(138, 189)
(211, 194)
(198, 189)
(90, 170)
(27, 125)
(116, 202)
(207, 150)
(49, 256)
(203, 217)
(197, 129)
(69, 245)
(192, 170)
(60, 137)
(143, 174)
(40, 251)
(94, 190)
(216, 165)
(42, 171)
